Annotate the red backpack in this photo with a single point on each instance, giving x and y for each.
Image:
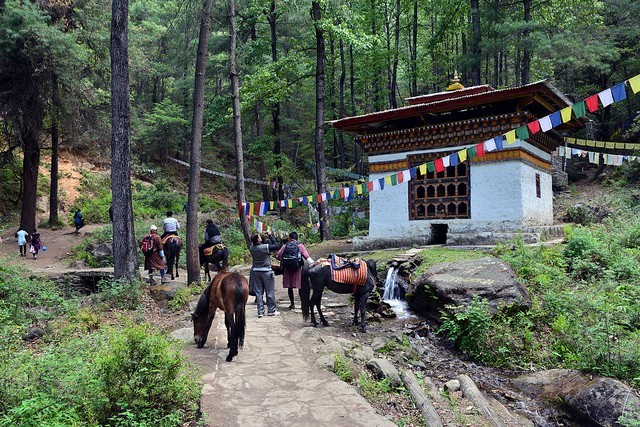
(147, 244)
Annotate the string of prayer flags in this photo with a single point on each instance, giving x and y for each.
(579, 109)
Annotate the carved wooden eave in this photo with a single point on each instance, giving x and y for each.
(536, 100)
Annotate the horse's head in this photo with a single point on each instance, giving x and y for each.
(201, 321)
(372, 269)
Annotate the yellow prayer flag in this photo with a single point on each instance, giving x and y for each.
(510, 137)
(359, 187)
(423, 169)
(610, 145)
(571, 140)
(251, 208)
(387, 180)
(620, 145)
(630, 146)
(462, 155)
(591, 143)
(290, 203)
(599, 144)
(635, 83)
(566, 114)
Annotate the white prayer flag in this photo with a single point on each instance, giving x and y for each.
(606, 97)
(545, 123)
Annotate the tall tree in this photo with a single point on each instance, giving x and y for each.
(475, 42)
(55, 141)
(321, 175)
(125, 264)
(237, 119)
(193, 261)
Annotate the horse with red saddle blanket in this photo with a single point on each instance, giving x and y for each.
(342, 277)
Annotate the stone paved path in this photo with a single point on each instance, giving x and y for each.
(270, 383)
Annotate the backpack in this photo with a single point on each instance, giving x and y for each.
(147, 244)
(291, 256)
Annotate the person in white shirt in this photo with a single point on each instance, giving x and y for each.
(170, 225)
(22, 241)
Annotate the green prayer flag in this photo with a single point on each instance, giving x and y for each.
(522, 133)
(579, 109)
(394, 179)
(472, 152)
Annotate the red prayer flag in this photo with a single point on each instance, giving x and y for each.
(400, 176)
(342, 193)
(592, 103)
(439, 165)
(534, 127)
(480, 149)
(370, 186)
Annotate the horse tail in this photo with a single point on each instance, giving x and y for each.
(225, 259)
(305, 293)
(239, 326)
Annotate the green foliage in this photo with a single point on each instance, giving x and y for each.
(180, 299)
(120, 293)
(469, 327)
(434, 256)
(344, 369)
(125, 367)
(372, 388)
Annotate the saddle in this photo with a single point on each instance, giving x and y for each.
(171, 238)
(350, 272)
(209, 251)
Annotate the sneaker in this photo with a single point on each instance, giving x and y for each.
(292, 306)
(273, 314)
(260, 315)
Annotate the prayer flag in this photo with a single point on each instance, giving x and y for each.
(579, 109)
(272, 205)
(556, 118)
(412, 171)
(480, 149)
(407, 175)
(498, 142)
(347, 192)
(370, 186)
(399, 178)
(320, 198)
(534, 127)
(359, 188)
(387, 180)
(252, 208)
(561, 151)
(439, 165)
(545, 124)
(446, 161)
(510, 136)
(423, 169)
(606, 97)
(326, 196)
(431, 167)
(634, 82)
(490, 144)
(619, 92)
(454, 159)
(609, 144)
(290, 203)
(394, 179)
(566, 114)
(522, 133)
(381, 182)
(342, 194)
(592, 103)
(462, 155)
(472, 152)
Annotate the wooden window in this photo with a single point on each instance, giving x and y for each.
(441, 195)
(538, 186)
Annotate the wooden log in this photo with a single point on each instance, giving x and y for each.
(421, 400)
(471, 392)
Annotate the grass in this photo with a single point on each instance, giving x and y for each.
(437, 255)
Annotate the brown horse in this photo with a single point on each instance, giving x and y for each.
(318, 277)
(172, 245)
(228, 292)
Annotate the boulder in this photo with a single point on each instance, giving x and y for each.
(598, 399)
(163, 293)
(383, 368)
(458, 282)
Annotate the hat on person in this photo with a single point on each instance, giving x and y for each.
(153, 228)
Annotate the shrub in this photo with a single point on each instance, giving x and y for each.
(468, 327)
(121, 293)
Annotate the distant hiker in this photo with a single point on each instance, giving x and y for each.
(290, 256)
(185, 207)
(170, 225)
(22, 241)
(153, 254)
(78, 221)
(35, 244)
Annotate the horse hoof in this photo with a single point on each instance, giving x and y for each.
(325, 323)
(229, 358)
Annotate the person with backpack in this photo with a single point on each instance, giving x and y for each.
(291, 258)
(36, 244)
(262, 279)
(78, 221)
(151, 247)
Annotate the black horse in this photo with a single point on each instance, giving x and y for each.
(318, 277)
(219, 258)
(172, 247)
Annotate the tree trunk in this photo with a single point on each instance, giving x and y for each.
(30, 164)
(394, 65)
(321, 177)
(275, 114)
(341, 107)
(414, 50)
(475, 42)
(193, 256)
(125, 264)
(237, 120)
(55, 141)
(526, 43)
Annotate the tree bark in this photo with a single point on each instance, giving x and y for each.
(55, 141)
(475, 42)
(275, 114)
(321, 177)
(414, 50)
(125, 265)
(30, 164)
(341, 106)
(237, 120)
(526, 43)
(193, 256)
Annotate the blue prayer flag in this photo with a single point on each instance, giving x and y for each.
(619, 92)
(556, 119)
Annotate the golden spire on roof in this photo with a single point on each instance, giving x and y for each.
(456, 82)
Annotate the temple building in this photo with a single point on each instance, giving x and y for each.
(481, 200)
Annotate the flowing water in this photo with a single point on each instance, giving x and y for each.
(392, 295)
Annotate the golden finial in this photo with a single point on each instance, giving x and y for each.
(456, 82)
